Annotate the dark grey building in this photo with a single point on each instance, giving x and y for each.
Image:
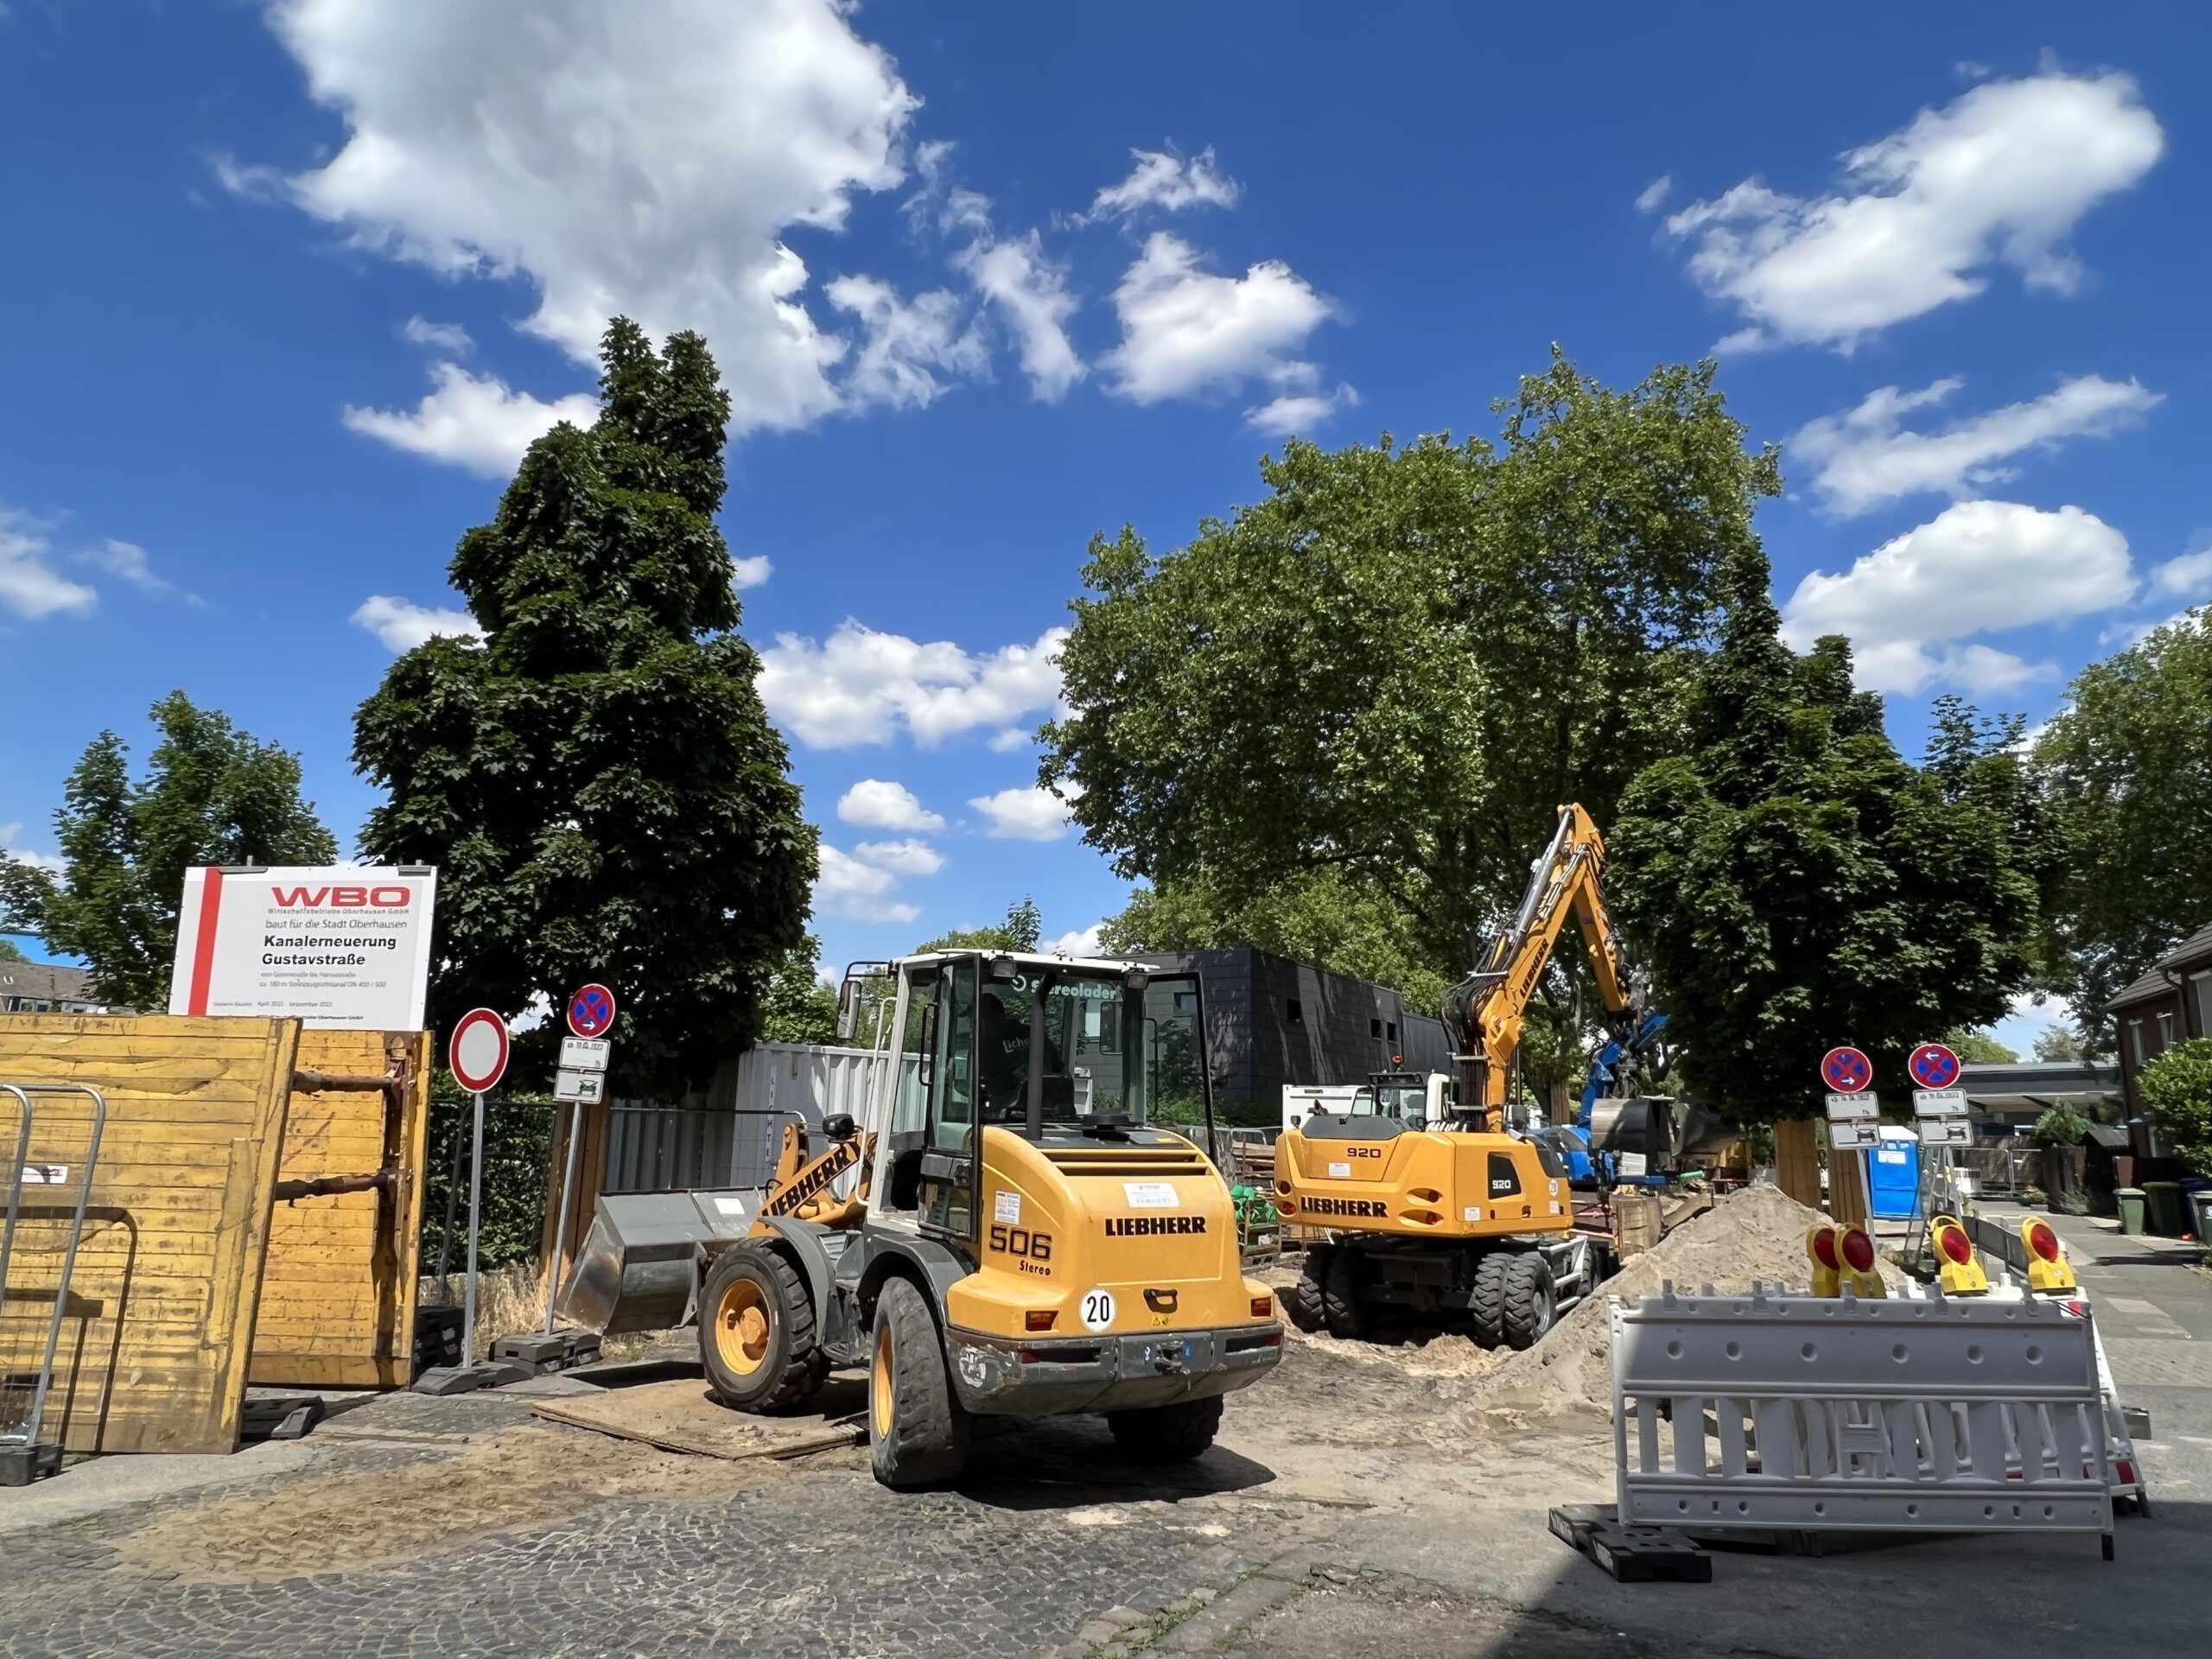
(48, 988)
(1271, 1021)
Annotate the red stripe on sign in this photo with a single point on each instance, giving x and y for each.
(203, 947)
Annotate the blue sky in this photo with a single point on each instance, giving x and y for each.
(290, 286)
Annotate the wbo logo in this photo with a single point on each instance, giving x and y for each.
(394, 898)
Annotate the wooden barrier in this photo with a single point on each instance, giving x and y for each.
(338, 1296)
(168, 1282)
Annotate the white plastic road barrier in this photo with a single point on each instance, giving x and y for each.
(1773, 1411)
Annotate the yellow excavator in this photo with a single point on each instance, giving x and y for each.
(1465, 1219)
(1012, 1231)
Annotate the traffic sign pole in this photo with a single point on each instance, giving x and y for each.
(475, 1213)
(560, 1227)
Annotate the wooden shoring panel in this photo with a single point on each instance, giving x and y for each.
(338, 1297)
(161, 1307)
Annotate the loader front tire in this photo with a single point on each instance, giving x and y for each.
(917, 1428)
(1303, 1300)
(1340, 1307)
(1487, 1304)
(1172, 1433)
(757, 1331)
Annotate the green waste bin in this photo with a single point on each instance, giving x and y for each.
(2162, 1200)
(2131, 1209)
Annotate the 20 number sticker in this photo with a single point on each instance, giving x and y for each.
(1098, 1310)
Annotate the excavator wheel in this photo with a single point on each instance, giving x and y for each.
(1303, 1300)
(1340, 1307)
(1531, 1299)
(1489, 1301)
(757, 1332)
(1166, 1433)
(917, 1429)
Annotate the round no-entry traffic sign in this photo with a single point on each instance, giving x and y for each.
(1933, 1066)
(477, 1052)
(591, 1011)
(1847, 1070)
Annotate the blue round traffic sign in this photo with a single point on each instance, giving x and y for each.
(1933, 1066)
(591, 1011)
(1847, 1070)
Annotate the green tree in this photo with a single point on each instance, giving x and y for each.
(2125, 779)
(1978, 1047)
(1023, 927)
(796, 1007)
(2056, 1043)
(1395, 666)
(211, 794)
(595, 775)
(1797, 884)
(2177, 1087)
(10, 951)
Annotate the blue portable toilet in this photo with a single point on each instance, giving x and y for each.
(1893, 1175)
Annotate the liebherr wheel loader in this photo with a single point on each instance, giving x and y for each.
(1007, 1232)
(1465, 1219)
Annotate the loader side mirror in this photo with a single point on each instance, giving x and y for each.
(848, 1010)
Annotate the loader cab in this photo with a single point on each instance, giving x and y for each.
(1063, 1053)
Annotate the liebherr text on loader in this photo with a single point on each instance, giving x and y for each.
(1009, 1232)
(1464, 1219)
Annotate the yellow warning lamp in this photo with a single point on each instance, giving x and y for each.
(1828, 1264)
(2048, 1272)
(1856, 1245)
(1961, 1268)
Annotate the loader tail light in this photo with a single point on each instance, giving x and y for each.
(1952, 1241)
(1264, 1307)
(2041, 1239)
(1859, 1251)
(1039, 1318)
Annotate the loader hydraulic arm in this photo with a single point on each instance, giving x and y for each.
(1486, 1011)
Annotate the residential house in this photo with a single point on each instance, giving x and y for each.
(2169, 1004)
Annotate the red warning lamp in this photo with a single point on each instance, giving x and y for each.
(1859, 1250)
(1952, 1242)
(2041, 1239)
(1823, 1242)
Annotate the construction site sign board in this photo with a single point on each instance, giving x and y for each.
(1850, 1134)
(334, 948)
(585, 1053)
(1945, 1132)
(1939, 1103)
(580, 1087)
(1853, 1108)
(1847, 1070)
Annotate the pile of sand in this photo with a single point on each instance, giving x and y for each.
(1757, 1234)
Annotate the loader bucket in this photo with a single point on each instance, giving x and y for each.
(638, 1268)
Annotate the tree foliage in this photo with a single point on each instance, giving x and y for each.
(2056, 1043)
(1023, 927)
(1975, 1047)
(1379, 681)
(595, 775)
(796, 1007)
(2177, 1087)
(211, 794)
(1797, 884)
(2125, 769)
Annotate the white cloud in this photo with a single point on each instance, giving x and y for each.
(1032, 814)
(906, 343)
(1978, 567)
(749, 572)
(128, 561)
(29, 585)
(1167, 181)
(1999, 175)
(1297, 412)
(1008, 739)
(645, 159)
(1072, 943)
(1654, 195)
(448, 337)
(861, 686)
(861, 892)
(471, 421)
(52, 863)
(1866, 457)
(402, 624)
(908, 857)
(1186, 332)
(1032, 297)
(2188, 573)
(879, 803)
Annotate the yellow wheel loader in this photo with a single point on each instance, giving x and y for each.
(1011, 1231)
(1464, 1219)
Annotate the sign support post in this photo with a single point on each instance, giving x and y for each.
(476, 1054)
(475, 1214)
(568, 1198)
(580, 1082)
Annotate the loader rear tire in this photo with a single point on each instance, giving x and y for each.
(1172, 1433)
(1340, 1308)
(1531, 1299)
(917, 1428)
(1487, 1304)
(757, 1332)
(1303, 1300)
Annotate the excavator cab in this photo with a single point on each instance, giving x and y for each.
(1033, 1232)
